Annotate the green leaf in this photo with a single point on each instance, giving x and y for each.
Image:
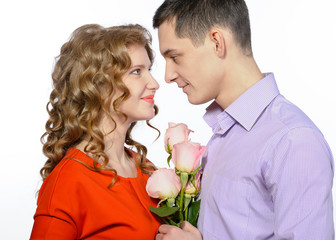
(163, 211)
(187, 200)
(177, 199)
(168, 159)
(193, 173)
(162, 200)
(184, 179)
(193, 212)
(168, 147)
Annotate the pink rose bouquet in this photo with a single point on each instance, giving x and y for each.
(178, 188)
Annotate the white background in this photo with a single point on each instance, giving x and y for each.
(294, 39)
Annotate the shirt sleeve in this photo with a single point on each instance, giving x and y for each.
(58, 207)
(299, 178)
(52, 228)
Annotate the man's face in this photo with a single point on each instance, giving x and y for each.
(194, 69)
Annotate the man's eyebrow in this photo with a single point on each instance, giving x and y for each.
(167, 52)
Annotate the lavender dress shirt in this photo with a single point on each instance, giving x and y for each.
(268, 171)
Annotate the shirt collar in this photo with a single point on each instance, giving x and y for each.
(213, 116)
(246, 109)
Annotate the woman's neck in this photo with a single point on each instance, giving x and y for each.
(114, 139)
(115, 151)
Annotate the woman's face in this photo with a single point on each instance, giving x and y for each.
(141, 84)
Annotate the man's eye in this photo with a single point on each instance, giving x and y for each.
(136, 71)
(174, 58)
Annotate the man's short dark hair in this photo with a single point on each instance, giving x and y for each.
(195, 18)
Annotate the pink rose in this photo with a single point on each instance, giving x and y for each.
(175, 133)
(163, 184)
(186, 156)
(190, 188)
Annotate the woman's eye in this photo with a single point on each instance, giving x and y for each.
(136, 71)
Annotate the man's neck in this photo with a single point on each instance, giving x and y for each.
(240, 76)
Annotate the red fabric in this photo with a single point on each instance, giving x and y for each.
(75, 203)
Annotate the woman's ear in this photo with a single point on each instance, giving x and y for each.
(218, 41)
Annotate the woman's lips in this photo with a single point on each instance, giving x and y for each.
(149, 99)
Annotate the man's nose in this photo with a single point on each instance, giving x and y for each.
(170, 74)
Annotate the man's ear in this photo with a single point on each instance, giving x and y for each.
(218, 40)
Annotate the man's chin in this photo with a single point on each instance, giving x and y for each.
(196, 101)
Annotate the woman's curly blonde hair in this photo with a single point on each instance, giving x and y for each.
(90, 66)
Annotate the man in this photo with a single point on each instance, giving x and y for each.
(268, 171)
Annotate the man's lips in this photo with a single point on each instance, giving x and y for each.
(184, 87)
(149, 98)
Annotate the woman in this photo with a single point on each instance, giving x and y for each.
(94, 187)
